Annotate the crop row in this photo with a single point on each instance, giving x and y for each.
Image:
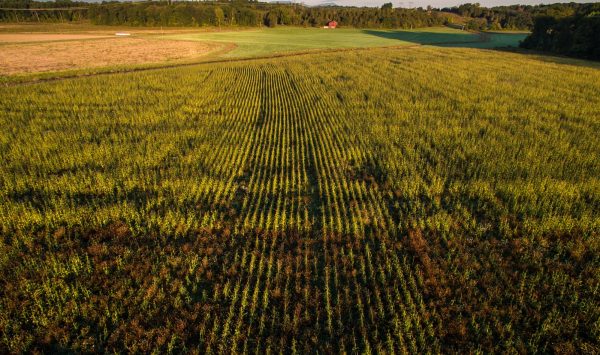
(417, 201)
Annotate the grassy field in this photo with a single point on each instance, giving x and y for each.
(419, 200)
(267, 41)
(490, 40)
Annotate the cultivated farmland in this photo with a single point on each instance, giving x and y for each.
(268, 41)
(34, 51)
(421, 200)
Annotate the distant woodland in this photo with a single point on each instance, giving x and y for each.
(219, 14)
(577, 35)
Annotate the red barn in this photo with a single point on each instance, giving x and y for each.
(332, 24)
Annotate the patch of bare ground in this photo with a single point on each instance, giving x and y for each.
(88, 28)
(56, 56)
(45, 37)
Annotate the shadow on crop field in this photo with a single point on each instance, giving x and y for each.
(505, 42)
(425, 37)
(448, 39)
(552, 57)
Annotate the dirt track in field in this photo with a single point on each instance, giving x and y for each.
(77, 54)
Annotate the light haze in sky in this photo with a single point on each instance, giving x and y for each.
(424, 3)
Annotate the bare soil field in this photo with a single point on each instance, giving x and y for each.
(45, 37)
(88, 28)
(21, 58)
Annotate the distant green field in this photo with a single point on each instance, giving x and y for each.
(277, 40)
(493, 40)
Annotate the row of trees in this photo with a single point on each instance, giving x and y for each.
(180, 14)
(42, 11)
(29, 4)
(513, 17)
(218, 14)
(577, 35)
(254, 14)
(43, 15)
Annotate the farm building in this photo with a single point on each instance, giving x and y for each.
(331, 24)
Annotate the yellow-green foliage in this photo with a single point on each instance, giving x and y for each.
(416, 200)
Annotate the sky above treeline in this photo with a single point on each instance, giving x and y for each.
(434, 3)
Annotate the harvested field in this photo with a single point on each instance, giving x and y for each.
(56, 56)
(88, 28)
(45, 37)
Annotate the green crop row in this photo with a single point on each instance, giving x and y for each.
(418, 200)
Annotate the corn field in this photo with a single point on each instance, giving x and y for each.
(412, 201)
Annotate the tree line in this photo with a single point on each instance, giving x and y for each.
(256, 14)
(42, 11)
(221, 14)
(513, 17)
(577, 35)
(29, 4)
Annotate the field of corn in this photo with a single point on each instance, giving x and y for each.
(419, 200)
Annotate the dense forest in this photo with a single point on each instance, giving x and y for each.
(513, 17)
(577, 35)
